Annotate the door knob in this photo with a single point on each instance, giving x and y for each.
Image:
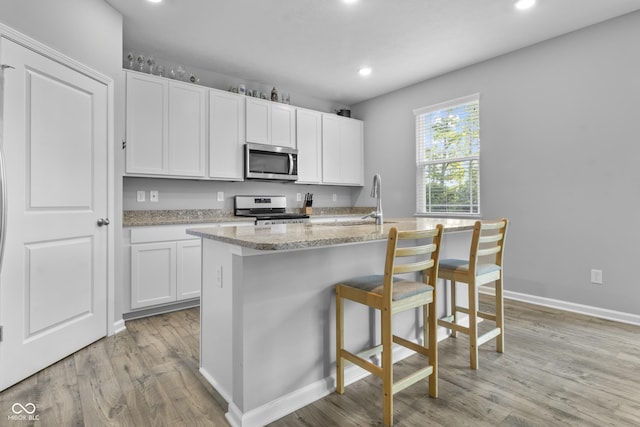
(103, 221)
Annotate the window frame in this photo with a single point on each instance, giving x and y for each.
(422, 163)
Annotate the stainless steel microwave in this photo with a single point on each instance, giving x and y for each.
(270, 162)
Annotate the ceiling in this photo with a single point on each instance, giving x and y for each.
(315, 47)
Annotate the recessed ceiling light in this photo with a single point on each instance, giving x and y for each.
(350, 1)
(154, 1)
(364, 71)
(525, 4)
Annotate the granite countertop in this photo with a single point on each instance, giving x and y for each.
(300, 236)
(211, 216)
(186, 216)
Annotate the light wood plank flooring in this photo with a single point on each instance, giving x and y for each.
(559, 369)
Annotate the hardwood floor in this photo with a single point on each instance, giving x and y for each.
(559, 369)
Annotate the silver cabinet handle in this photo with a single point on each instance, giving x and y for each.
(103, 221)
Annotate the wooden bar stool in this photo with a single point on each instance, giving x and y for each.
(487, 245)
(391, 294)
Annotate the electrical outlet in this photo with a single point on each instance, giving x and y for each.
(298, 197)
(140, 196)
(154, 196)
(221, 196)
(596, 276)
(334, 197)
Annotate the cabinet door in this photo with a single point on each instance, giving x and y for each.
(352, 152)
(342, 151)
(187, 129)
(189, 262)
(147, 127)
(226, 135)
(309, 142)
(258, 121)
(153, 274)
(283, 125)
(331, 157)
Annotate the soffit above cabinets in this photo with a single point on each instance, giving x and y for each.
(316, 47)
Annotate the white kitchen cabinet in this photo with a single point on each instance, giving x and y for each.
(226, 135)
(187, 129)
(165, 265)
(309, 141)
(147, 125)
(166, 126)
(258, 121)
(270, 123)
(153, 274)
(283, 125)
(342, 150)
(188, 269)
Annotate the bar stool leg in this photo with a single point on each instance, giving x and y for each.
(430, 313)
(387, 368)
(339, 343)
(454, 333)
(499, 316)
(473, 326)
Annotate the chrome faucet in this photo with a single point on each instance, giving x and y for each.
(376, 192)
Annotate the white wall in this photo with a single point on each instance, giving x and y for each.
(560, 148)
(221, 81)
(190, 194)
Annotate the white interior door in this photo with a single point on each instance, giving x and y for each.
(53, 281)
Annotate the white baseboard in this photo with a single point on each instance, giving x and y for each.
(302, 397)
(602, 313)
(281, 406)
(119, 326)
(226, 395)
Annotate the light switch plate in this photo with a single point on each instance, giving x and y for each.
(140, 196)
(221, 196)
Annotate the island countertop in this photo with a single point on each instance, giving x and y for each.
(309, 235)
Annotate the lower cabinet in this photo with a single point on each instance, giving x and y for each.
(166, 264)
(165, 272)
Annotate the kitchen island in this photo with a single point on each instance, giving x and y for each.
(268, 312)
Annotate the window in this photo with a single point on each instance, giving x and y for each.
(448, 156)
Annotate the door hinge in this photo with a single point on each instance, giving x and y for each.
(0, 333)
(124, 144)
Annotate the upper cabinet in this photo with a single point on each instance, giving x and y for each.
(179, 129)
(270, 123)
(166, 127)
(342, 150)
(147, 124)
(309, 140)
(187, 129)
(226, 135)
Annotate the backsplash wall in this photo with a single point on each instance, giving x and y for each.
(195, 194)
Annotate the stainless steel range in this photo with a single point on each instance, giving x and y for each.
(267, 210)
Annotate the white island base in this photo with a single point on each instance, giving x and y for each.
(268, 321)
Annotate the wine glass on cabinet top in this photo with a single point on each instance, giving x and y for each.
(141, 59)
